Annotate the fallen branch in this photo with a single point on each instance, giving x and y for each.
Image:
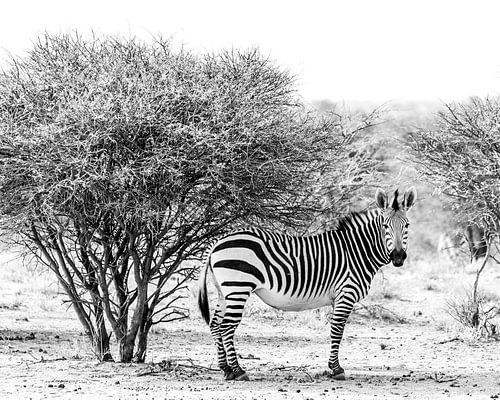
(289, 368)
(45, 360)
(449, 340)
(309, 376)
(172, 365)
(443, 380)
(302, 369)
(249, 357)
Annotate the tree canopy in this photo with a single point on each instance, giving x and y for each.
(460, 155)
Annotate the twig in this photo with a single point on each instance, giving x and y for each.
(443, 380)
(310, 377)
(171, 366)
(289, 368)
(43, 360)
(302, 369)
(448, 340)
(196, 366)
(249, 357)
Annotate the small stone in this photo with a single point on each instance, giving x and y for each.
(61, 386)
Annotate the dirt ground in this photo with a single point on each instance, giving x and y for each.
(410, 350)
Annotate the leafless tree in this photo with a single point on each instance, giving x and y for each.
(460, 157)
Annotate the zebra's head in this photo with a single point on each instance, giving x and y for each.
(395, 223)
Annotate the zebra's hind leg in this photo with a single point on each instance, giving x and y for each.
(215, 325)
(235, 302)
(341, 311)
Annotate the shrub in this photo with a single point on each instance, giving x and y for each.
(475, 311)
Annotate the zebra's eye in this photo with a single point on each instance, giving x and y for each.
(385, 226)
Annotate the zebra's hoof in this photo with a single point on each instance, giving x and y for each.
(242, 377)
(229, 375)
(338, 374)
(339, 377)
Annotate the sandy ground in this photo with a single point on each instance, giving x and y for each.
(43, 354)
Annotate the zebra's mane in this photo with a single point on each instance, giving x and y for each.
(347, 221)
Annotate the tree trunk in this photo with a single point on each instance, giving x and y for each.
(142, 343)
(480, 270)
(101, 341)
(142, 337)
(127, 341)
(127, 344)
(101, 347)
(136, 339)
(475, 315)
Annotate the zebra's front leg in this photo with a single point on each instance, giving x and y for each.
(342, 308)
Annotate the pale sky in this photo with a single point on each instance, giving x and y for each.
(365, 50)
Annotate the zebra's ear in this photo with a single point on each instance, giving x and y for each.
(381, 199)
(409, 198)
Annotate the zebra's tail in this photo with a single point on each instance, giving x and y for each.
(202, 294)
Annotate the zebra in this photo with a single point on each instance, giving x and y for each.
(295, 273)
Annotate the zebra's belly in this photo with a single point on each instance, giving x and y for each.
(290, 303)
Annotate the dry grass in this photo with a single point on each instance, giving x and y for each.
(27, 286)
(479, 314)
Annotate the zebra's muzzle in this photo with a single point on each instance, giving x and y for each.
(398, 257)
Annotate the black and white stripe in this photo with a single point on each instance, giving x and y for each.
(298, 273)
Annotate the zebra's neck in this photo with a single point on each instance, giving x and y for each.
(364, 234)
